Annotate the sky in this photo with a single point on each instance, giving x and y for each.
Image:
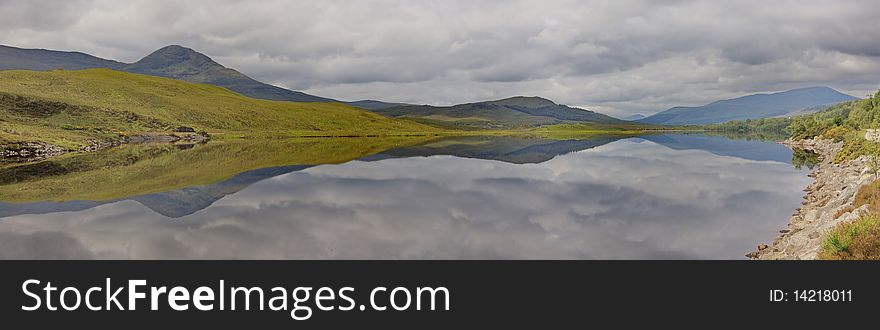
(616, 57)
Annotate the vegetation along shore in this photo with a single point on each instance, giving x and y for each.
(839, 215)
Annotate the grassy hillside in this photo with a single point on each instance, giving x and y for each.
(70, 107)
(173, 61)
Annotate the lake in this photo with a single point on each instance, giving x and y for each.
(671, 196)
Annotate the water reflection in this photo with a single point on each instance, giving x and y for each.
(801, 158)
(609, 198)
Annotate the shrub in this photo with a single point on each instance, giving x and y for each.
(68, 127)
(856, 146)
(837, 133)
(857, 240)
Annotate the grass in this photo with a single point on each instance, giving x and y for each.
(857, 240)
(70, 108)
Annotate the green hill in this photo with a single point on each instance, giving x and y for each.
(170, 62)
(68, 108)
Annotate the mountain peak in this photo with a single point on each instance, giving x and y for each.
(175, 48)
(634, 117)
(525, 101)
(183, 63)
(814, 88)
(176, 54)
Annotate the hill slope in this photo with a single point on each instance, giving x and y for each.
(751, 107)
(73, 106)
(174, 61)
(507, 113)
(12, 58)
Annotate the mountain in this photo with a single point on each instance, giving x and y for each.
(751, 107)
(99, 103)
(511, 112)
(173, 61)
(634, 117)
(182, 63)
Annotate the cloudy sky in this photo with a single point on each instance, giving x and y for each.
(617, 57)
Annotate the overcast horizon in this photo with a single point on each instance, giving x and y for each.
(615, 57)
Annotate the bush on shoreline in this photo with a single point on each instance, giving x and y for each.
(857, 240)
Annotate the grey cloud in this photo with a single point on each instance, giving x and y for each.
(48, 16)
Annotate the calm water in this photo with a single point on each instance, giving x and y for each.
(653, 197)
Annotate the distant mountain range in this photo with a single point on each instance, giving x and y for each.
(175, 62)
(183, 63)
(634, 117)
(788, 103)
(519, 111)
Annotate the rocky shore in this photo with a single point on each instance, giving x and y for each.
(34, 151)
(31, 151)
(825, 204)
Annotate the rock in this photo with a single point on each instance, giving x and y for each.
(783, 231)
(762, 247)
(872, 135)
(184, 129)
(752, 255)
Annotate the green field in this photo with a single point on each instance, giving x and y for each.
(70, 108)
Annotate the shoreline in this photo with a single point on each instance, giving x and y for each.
(831, 193)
